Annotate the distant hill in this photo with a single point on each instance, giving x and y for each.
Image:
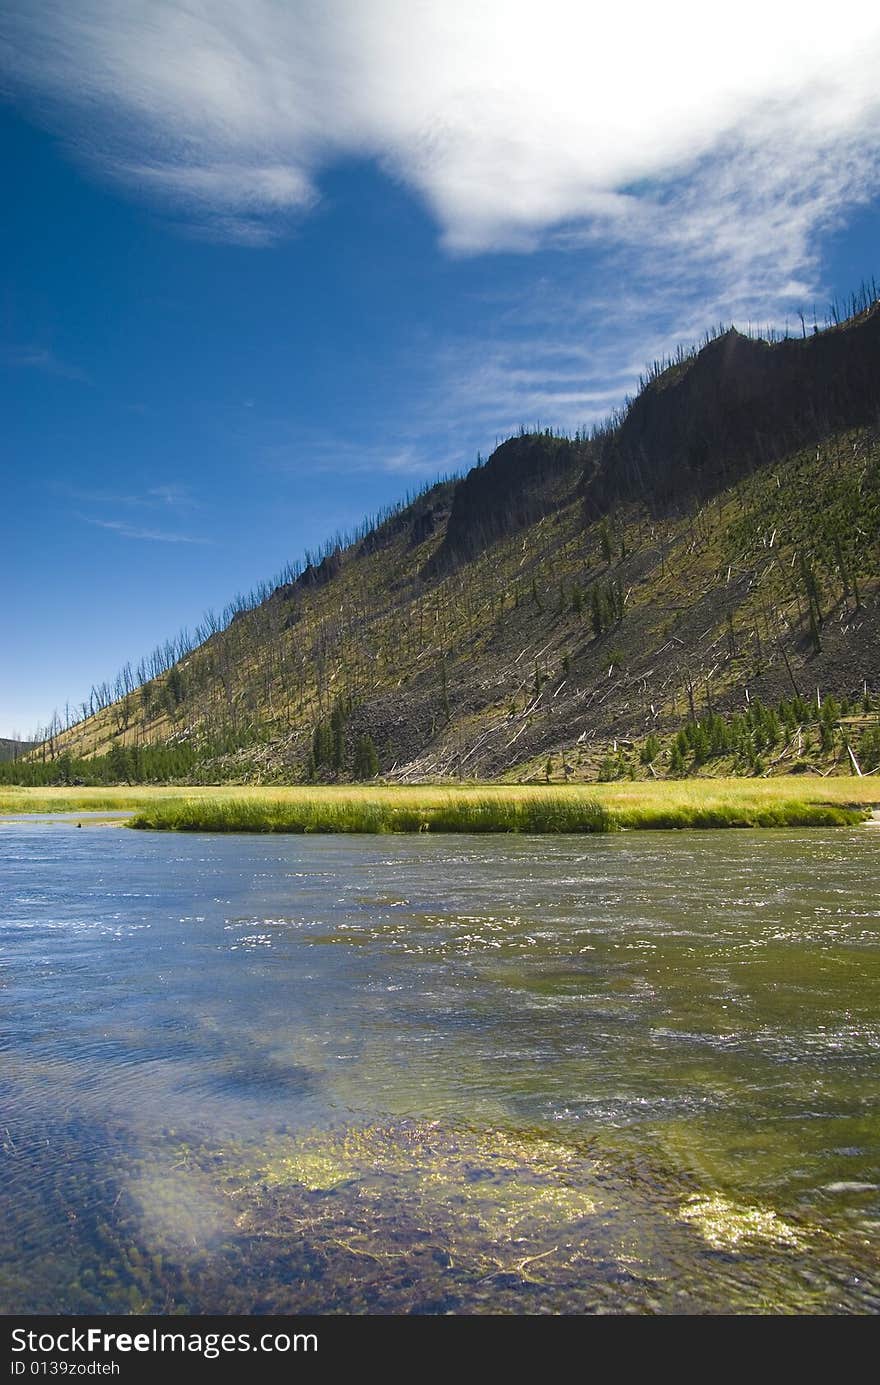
(694, 587)
(12, 750)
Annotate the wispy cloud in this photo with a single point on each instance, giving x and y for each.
(289, 449)
(227, 201)
(41, 358)
(131, 531)
(170, 495)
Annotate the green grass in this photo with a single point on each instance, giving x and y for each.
(547, 813)
(491, 809)
(688, 803)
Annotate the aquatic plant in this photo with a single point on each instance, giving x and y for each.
(416, 1217)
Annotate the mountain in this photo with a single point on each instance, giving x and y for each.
(571, 607)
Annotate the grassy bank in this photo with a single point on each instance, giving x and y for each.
(466, 812)
(782, 802)
(86, 799)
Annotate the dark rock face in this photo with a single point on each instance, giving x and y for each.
(325, 571)
(421, 518)
(737, 404)
(425, 524)
(515, 488)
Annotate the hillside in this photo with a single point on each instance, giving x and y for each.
(694, 588)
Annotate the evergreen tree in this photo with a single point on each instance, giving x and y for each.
(366, 761)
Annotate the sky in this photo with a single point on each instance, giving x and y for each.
(268, 265)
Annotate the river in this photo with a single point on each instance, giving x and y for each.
(627, 1073)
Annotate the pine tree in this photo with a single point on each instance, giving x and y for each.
(337, 733)
(366, 761)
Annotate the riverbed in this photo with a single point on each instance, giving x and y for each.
(630, 1073)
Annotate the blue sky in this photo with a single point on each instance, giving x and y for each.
(266, 266)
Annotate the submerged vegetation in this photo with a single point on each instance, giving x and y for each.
(415, 1217)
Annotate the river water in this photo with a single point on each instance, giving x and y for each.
(633, 1073)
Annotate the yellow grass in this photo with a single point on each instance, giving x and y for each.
(472, 807)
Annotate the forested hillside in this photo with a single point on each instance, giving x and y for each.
(693, 588)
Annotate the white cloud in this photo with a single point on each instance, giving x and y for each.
(507, 117)
(697, 153)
